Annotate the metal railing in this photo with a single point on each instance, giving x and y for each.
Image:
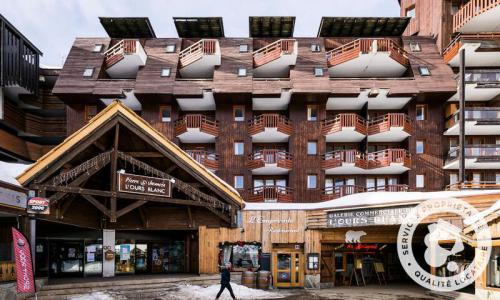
(470, 10)
(118, 51)
(196, 51)
(476, 151)
(272, 51)
(485, 114)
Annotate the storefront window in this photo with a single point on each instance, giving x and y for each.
(242, 256)
(493, 270)
(124, 257)
(93, 258)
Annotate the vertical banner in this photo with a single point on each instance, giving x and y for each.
(24, 264)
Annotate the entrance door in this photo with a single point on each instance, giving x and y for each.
(287, 268)
(66, 259)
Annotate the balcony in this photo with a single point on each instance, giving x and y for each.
(388, 188)
(334, 192)
(209, 160)
(270, 162)
(122, 61)
(344, 162)
(394, 127)
(199, 60)
(473, 185)
(269, 128)
(347, 128)
(270, 193)
(368, 58)
(481, 85)
(389, 161)
(275, 59)
(478, 16)
(476, 157)
(481, 50)
(196, 128)
(478, 121)
(379, 99)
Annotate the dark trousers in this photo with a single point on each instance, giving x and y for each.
(227, 286)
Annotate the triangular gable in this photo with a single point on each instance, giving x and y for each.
(107, 114)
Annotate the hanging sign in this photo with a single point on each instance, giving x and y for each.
(24, 266)
(367, 217)
(145, 185)
(38, 205)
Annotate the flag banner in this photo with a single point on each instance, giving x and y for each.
(24, 265)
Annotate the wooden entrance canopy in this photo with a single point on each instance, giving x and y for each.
(79, 176)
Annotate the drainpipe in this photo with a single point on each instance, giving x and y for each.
(461, 107)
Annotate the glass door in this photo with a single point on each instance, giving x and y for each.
(125, 257)
(93, 258)
(287, 268)
(141, 257)
(284, 268)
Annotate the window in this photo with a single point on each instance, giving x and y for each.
(312, 181)
(88, 72)
(318, 72)
(170, 48)
(315, 48)
(419, 149)
(238, 181)
(241, 255)
(312, 148)
(420, 181)
(242, 72)
(165, 72)
(312, 113)
(165, 114)
(243, 48)
(415, 47)
(420, 114)
(97, 48)
(90, 112)
(410, 12)
(493, 268)
(239, 113)
(424, 71)
(238, 148)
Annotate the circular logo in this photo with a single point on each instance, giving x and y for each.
(460, 274)
(20, 242)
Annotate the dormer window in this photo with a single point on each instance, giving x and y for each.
(88, 72)
(415, 47)
(315, 48)
(424, 71)
(97, 48)
(242, 72)
(165, 72)
(170, 48)
(243, 48)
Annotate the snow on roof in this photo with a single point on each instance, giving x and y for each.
(9, 171)
(363, 200)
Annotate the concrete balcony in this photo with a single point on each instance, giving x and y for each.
(334, 192)
(481, 85)
(476, 157)
(196, 128)
(275, 59)
(270, 193)
(270, 128)
(478, 121)
(272, 103)
(347, 128)
(270, 162)
(379, 99)
(481, 50)
(389, 161)
(199, 60)
(394, 127)
(368, 58)
(344, 162)
(209, 160)
(122, 61)
(477, 16)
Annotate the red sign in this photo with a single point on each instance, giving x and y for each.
(24, 265)
(38, 205)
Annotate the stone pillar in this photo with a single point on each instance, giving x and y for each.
(108, 244)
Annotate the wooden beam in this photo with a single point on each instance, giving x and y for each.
(190, 217)
(74, 190)
(114, 161)
(65, 206)
(145, 154)
(100, 146)
(129, 208)
(97, 204)
(144, 217)
(171, 169)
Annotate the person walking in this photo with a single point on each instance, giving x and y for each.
(225, 279)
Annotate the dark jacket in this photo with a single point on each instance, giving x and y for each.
(225, 276)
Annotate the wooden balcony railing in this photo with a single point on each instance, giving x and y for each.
(335, 159)
(196, 121)
(196, 51)
(386, 122)
(454, 46)
(335, 192)
(260, 158)
(472, 185)
(386, 157)
(205, 158)
(271, 193)
(357, 47)
(118, 51)
(388, 188)
(344, 120)
(272, 52)
(470, 10)
(259, 123)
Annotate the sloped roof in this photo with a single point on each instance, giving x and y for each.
(362, 26)
(127, 28)
(194, 27)
(116, 107)
(266, 27)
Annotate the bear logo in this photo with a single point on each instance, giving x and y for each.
(352, 236)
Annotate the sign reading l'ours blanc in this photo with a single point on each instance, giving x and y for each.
(367, 217)
(145, 185)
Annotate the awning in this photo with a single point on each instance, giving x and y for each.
(263, 27)
(362, 26)
(127, 28)
(208, 27)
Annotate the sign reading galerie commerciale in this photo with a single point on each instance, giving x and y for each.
(145, 185)
(367, 217)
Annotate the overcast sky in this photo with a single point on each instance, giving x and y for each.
(52, 25)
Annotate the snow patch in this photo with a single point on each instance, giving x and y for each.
(194, 292)
(94, 296)
(9, 171)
